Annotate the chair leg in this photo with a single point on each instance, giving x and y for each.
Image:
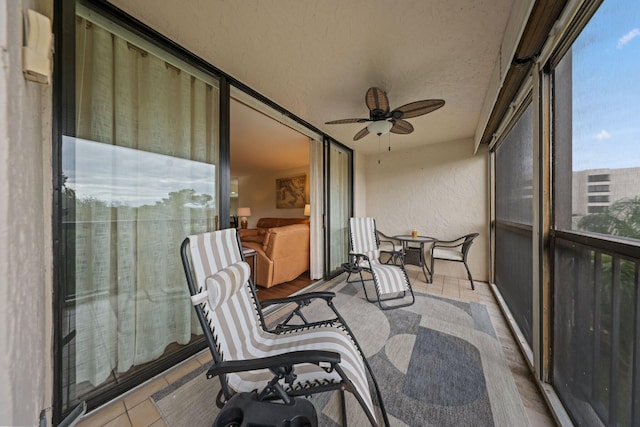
(378, 299)
(340, 372)
(366, 295)
(432, 272)
(385, 417)
(362, 280)
(469, 275)
(401, 297)
(344, 407)
(352, 270)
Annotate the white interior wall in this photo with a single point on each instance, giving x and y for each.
(258, 192)
(26, 373)
(439, 190)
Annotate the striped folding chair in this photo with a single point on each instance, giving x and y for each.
(390, 280)
(279, 364)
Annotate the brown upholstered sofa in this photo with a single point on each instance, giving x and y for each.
(282, 246)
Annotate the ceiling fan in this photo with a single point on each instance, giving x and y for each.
(382, 119)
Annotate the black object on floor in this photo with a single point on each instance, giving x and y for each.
(244, 410)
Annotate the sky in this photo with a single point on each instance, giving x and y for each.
(124, 176)
(606, 88)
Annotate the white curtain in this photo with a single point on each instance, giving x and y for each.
(150, 125)
(317, 209)
(339, 195)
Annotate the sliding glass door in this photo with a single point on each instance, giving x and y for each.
(338, 173)
(140, 172)
(596, 336)
(513, 221)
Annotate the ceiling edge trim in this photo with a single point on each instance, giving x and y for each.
(516, 24)
(573, 12)
(278, 116)
(558, 33)
(540, 25)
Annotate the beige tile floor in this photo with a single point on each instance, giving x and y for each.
(135, 409)
(451, 287)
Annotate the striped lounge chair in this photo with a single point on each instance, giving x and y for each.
(281, 364)
(390, 280)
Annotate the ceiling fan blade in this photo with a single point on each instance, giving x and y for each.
(377, 101)
(418, 108)
(364, 132)
(343, 121)
(402, 127)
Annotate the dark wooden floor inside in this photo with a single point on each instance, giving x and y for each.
(285, 289)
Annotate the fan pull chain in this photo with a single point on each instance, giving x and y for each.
(378, 148)
(389, 141)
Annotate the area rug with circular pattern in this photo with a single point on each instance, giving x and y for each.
(438, 362)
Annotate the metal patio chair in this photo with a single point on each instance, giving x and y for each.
(453, 250)
(391, 281)
(390, 247)
(296, 358)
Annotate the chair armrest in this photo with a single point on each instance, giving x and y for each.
(383, 238)
(358, 258)
(302, 301)
(393, 245)
(324, 359)
(448, 243)
(381, 234)
(304, 298)
(357, 255)
(394, 252)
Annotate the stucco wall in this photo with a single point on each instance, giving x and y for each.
(439, 190)
(25, 228)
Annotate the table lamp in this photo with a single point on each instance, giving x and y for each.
(244, 213)
(307, 210)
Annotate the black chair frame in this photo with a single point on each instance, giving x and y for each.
(395, 254)
(283, 366)
(464, 241)
(355, 267)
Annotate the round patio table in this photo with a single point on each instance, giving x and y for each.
(413, 254)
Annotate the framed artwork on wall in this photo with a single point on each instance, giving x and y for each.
(290, 192)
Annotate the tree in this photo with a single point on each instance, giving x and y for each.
(622, 219)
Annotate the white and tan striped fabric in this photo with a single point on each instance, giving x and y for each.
(388, 278)
(236, 324)
(223, 285)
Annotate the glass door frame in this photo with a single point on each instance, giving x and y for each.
(63, 123)
(328, 143)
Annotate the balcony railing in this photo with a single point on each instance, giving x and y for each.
(596, 320)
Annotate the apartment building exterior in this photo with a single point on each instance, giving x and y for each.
(594, 190)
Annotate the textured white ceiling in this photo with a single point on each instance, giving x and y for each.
(317, 58)
(261, 145)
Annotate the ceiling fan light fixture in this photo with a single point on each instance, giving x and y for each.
(379, 127)
(383, 120)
